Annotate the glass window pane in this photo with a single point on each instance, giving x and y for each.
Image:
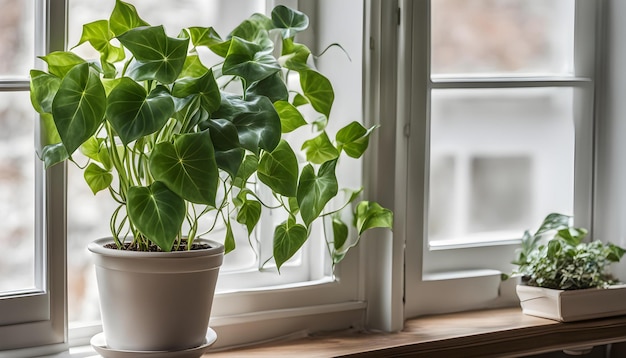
(88, 215)
(499, 37)
(17, 198)
(16, 37)
(501, 159)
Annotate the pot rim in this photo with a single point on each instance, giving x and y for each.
(97, 247)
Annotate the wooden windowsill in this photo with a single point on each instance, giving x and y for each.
(491, 333)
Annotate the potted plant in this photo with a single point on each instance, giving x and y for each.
(183, 146)
(565, 278)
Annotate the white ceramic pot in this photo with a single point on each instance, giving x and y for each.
(156, 301)
(572, 305)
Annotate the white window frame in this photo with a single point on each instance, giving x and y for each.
(37, 317)
(437, 276)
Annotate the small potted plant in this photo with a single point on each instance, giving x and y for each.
(565, 278)
(182, 147)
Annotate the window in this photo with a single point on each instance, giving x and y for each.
(499, 120)
(32, 286)
(307, 296)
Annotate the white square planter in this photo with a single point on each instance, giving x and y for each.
(572, 305)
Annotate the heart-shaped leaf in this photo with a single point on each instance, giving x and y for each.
(319, 149)
(340, 233)
(94, 149)
(370, 215)
(318, 90)
(315, 191)
(159, 57)
(289, 21)
(249, 61)
(229, 240)
(133, 113)
(249, 212)
(230, 160)
(247, 168)
(290, 117)
(204, 36)
(204, 88)
(278, 169)
(187, 167)
(53, 154)
(124, 17)
(43, 88)
(193, 67)
(295, 56)
(78, 107)
(288, 239)
(256, 120)
(223, 134)
(61, 62)
(97, 178)
(99, 35)
(157, 213)
(272, 87)
(354, 139)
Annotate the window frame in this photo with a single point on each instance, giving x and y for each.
(37, 317)
(474, 270)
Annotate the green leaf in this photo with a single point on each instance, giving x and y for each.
(353, 139)
(193, 67)
(572, 236)
(94, 149)
(340, 233)
(99, 35)
(299, 100)
(290, 117)
(48, 132)
(223, 134)
(204, 88)
(53, 154)
(124, 17)
(294, 208)
(318, 90)
(615, 253)
(187, 167)
(43, 87)
(254, 29)
(272, 87)
(256, 120)
(554, 221)
(319, 149)
(249, 212)
(289, 21)
(230, 160)
(229, 240)
(157, 213)
(97, 178)
(315, 191)
(554, 247)
(133, 113)
(204, 36)
(279, 170)
(158, 56)
(249, 61)
(370, 215)
(60, 63)
(248, 167)
(78, 107)
(288, 239)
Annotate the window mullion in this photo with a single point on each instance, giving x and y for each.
(438, 82)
